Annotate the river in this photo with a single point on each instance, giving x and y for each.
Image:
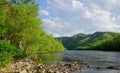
(102, 62)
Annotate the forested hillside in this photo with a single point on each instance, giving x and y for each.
(109, 45)
(21, 31)
(87, 41)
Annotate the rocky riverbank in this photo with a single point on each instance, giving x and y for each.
(29, 66)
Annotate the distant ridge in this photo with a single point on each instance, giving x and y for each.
(85, 41)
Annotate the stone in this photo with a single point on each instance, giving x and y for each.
(23, 71)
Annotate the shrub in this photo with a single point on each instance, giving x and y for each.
(9, 51)
(12, 49)
(5, 58)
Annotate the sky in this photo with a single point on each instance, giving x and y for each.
(70, 17)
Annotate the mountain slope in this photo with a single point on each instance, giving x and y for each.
(86, 41)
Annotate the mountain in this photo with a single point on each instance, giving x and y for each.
(86, 41)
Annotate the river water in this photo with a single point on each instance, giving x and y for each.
(102, 62)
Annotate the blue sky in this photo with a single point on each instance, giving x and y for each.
(69, 17)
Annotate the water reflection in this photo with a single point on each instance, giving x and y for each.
(95, 58)
(50, 58)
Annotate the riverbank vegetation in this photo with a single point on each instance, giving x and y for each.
(21, 31)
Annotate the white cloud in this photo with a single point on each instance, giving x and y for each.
(118, 17)
(107, 4)
(57, 28)
(44, 12)
(75, 16)
(52, 25)
(77, 4)
(101, 18)
(113, 3)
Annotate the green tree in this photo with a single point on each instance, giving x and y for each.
(20, 25)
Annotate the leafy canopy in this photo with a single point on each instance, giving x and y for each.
(21, 26)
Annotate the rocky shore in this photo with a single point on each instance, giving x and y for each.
(29, 66)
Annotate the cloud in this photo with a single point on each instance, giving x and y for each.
(44, 12)
(52, 25)
(101, 18)
(57, 28)
(68, 17)
(118, 17)
(77, 4)
(107, 4)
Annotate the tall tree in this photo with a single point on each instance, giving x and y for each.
(20, 25)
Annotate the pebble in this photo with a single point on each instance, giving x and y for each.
(26, 66)
(23, 71)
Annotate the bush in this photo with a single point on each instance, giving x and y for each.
(18, 53)
(12, 49)
(9, 51)
(5, 58)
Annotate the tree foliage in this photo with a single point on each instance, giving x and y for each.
(21, 26)
(109, 45)
(21, 32)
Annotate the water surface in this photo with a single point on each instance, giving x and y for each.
(98, 59)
